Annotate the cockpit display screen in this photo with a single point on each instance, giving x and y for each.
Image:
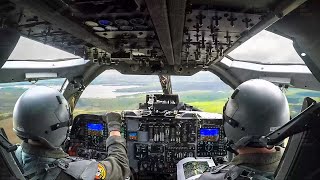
(210, 135)
(95, 135)
(133, 136)
(95, 129)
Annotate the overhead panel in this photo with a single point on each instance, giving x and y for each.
(38, 21)
(104, 31)
(215, 28)
(145, 36)
(208, 33)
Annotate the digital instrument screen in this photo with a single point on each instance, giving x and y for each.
(211, 135)
(95, 129)
(95, 134)
(133, 136)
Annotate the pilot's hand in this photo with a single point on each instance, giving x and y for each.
(114, 123)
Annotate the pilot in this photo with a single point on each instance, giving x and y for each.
(41, 118)
(256, 108)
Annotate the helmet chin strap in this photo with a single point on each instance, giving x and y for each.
(244, 141)
(61, 125)
(68, 130)
(249, 141)
(231, 148)
(229, 143)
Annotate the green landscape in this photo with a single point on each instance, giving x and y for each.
(204, 100)
(204, 91)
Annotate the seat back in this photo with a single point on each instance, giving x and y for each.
(301, 158)
(9, 165)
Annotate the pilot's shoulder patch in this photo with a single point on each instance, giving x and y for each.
(101, 172)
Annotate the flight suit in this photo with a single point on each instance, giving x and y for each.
(263, 166)
(42, 163)
(267, 162)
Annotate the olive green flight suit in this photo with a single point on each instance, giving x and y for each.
(35, 161)
(267, 162)
(263, 165)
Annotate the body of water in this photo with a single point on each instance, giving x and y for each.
(105, 91)
(92, 91)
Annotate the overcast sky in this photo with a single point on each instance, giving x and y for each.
(264, 47)
(267, 47)
(30, 49)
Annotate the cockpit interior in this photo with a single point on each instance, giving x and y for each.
(159, 134)
(274, 40)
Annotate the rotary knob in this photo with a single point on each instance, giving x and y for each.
(209, 147)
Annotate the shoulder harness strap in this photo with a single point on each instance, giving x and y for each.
(78, 168)
(50, 172)
(73, 166)
(233, 172)
(256, 174)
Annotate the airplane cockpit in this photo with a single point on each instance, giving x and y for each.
(158, 135)
(165, 133)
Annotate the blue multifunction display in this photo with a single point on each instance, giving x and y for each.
(209, 135)
(95, 127)
(88, 137)
(133, 136)
(96, 135)
(211, 142)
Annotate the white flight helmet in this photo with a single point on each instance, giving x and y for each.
(42, 114)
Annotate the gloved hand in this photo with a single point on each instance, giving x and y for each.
(114, 121)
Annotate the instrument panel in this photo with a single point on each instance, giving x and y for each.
(96, 135)
(88, 136)
(211, 139)
(156, 143)
(157, 139)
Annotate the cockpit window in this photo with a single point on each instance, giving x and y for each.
(203, 90)
(267, 47)
(112, 91)
(30, 50)
(296, 96)
(29, 54)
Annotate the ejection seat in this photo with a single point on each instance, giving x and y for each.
(301, 159)
(9, 165)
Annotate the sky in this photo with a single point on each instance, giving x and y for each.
(264, 47)
(30, 49)
(267, 47)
